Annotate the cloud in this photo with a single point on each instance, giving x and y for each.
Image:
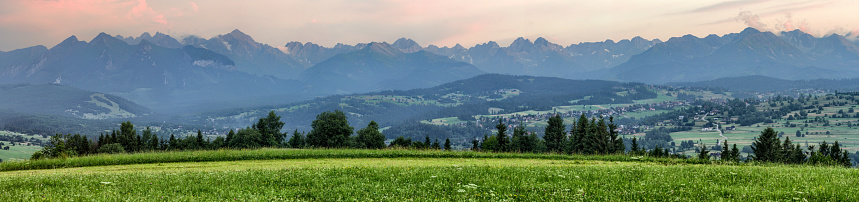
(752, 21)
(144, 12)
(33, 22)
(728, 5)
(194, 6)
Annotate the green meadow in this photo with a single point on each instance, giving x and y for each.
(401, 175)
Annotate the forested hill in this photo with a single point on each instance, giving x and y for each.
(66, 101)
(769, 84)
(484, 94)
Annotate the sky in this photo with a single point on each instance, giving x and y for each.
(25, 23)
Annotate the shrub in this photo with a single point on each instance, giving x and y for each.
(114, 148)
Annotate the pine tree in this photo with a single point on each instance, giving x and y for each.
(703, 153)
(735, 153)
(172, 142)
(555, 134)
(615, 143)
(503, 142)
(726, 152)
(634, 147)
(297, 140)
(579, 134)
(447, 144)
(766, 146)
(519, 142)
(199, 141)
(230, 136)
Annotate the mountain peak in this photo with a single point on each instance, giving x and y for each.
(541, 41)
(237, 32)
(749, 30)
(407, 45)
(521, 41)
(72, 38)
(69, 42)
(520, 44)
(381, 48)
(240, 36)
(145, 35)
(101, 36)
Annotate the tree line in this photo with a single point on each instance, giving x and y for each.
(332, 130)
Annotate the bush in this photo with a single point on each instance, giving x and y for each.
(114, 148)
(36, 156)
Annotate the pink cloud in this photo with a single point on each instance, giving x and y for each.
(194, 7)
(143, 11)
(69, 16)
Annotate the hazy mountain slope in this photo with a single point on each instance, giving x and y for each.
(250, 56)
(770, 84)
(66, 101)
(750, 52)
(461, 98)
(378, 66)
(159, 39)
(168, 78)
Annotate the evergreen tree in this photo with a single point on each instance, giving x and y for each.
(447, 144)
(726, 152)
(402, 142)
(330, 130)
(230, 136)
(615, 143)
(297, 140)
(735, 153)
(765, 148)
(147, 138)
(502, 136)
(634, 147)
(127, 136)
(173, 143)
(580, 132)
(435, 145)
(519, 142)
(199, 142)
(427, 142)
(703, 153)
(555, 134)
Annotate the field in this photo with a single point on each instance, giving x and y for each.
(399, 175)
(18, 152)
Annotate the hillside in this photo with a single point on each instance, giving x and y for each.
(322, 175)
(480, 95)
(167, 80)
(67, 101)
(750, 52)
(379, 66)
(770, 84)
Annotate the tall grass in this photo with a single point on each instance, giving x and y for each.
(439, 179)
(275, 154)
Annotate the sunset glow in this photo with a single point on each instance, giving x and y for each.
(444, 23)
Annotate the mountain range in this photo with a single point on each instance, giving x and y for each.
(159, 71)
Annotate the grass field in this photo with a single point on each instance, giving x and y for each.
(363, 175)
(18, 152)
